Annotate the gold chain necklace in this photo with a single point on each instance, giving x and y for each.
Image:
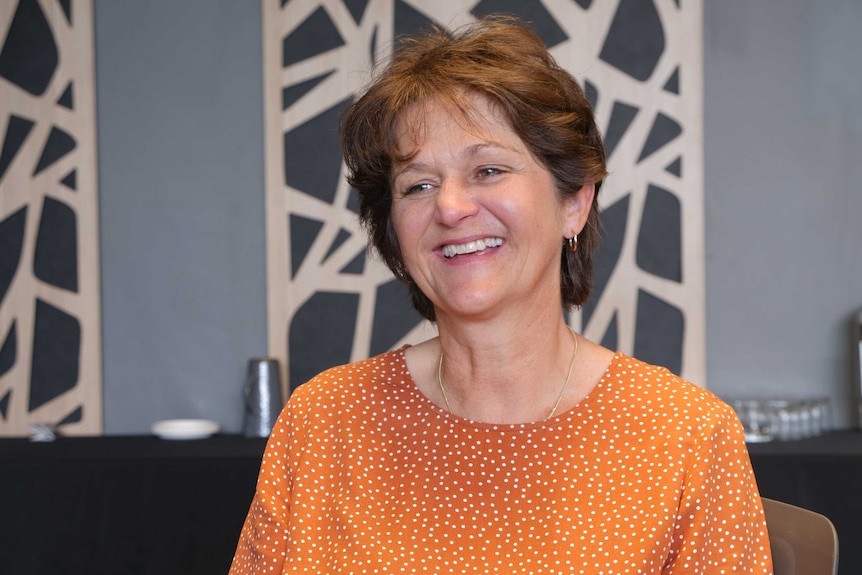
(559, 397)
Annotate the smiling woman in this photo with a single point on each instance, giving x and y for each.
(509, 443)
(468, 182)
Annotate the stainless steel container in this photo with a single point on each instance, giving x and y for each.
(263, 397)
(858, 353)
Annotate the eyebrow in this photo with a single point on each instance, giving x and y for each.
(470, 151)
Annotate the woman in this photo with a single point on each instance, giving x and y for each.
(509, 443)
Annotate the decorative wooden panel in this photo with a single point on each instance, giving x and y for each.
(49, 258)
(640, 62)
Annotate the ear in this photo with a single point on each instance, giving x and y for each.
(576, 209)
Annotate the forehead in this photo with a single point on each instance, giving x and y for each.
(470, 112)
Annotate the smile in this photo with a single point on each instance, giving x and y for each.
(452, 250)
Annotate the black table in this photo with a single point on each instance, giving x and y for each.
(823, 474)
(129, 505)
(124, 505)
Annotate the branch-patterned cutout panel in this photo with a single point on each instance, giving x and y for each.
(640, 63)
(50, 344)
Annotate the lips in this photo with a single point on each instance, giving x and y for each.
(452, 250)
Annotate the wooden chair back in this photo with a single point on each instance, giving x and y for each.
(803, 542)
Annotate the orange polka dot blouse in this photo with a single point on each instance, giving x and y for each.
(363, 474)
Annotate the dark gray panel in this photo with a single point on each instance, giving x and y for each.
(353, 201)
(342, 236)
(621, 118)
(614, 220)
(73, 416)
(293, 93)
(672, 84)
(321, 335)
(408, 20)
(663, 131)
(675, 167)
(56, 255)
(12, 240)
(373, 45)
(394, 316)
(660, 332)
(535, 13)
(303, 232)
(9, 351)
(67, 98)
(659, 247)
(17, 130)
(316, 35)
(592, 93)
(4, 404)
(635, 40)
(71, 180)
(312, 155)
(611, 338)
(356, 8)
(59, 144)
(356, 266)
(29, 56)
(56, 350)
(66, 5)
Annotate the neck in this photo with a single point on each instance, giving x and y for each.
(505, 375)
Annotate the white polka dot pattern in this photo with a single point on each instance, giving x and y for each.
(363, 474)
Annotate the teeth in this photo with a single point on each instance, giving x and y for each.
(451, 250)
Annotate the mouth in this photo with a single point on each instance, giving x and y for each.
(452, 250)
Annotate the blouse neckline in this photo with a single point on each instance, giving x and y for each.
(560, 419)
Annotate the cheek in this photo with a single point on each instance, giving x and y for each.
(406, 235)
(397, 223)
(408, 220)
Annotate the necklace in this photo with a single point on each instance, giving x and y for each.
(559, 397)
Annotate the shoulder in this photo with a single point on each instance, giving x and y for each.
(343, 404)
(349, 384)
(662, 394)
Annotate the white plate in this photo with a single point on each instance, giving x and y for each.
(185, 428)
(756, 437)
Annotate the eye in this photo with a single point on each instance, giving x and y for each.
(417, 188)
(488, 172)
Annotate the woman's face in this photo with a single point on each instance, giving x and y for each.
(478, 219)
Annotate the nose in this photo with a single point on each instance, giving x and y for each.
(455, 202)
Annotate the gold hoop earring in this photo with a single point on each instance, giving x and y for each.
(573, 243)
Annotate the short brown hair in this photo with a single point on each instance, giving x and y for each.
(501, 59)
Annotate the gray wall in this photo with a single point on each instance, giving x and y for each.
(783, 147)
(179, 107)
(182, 203)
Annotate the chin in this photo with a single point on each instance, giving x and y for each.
(471, 307)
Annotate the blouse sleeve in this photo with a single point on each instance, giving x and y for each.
(262, 543)
(720, 526)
